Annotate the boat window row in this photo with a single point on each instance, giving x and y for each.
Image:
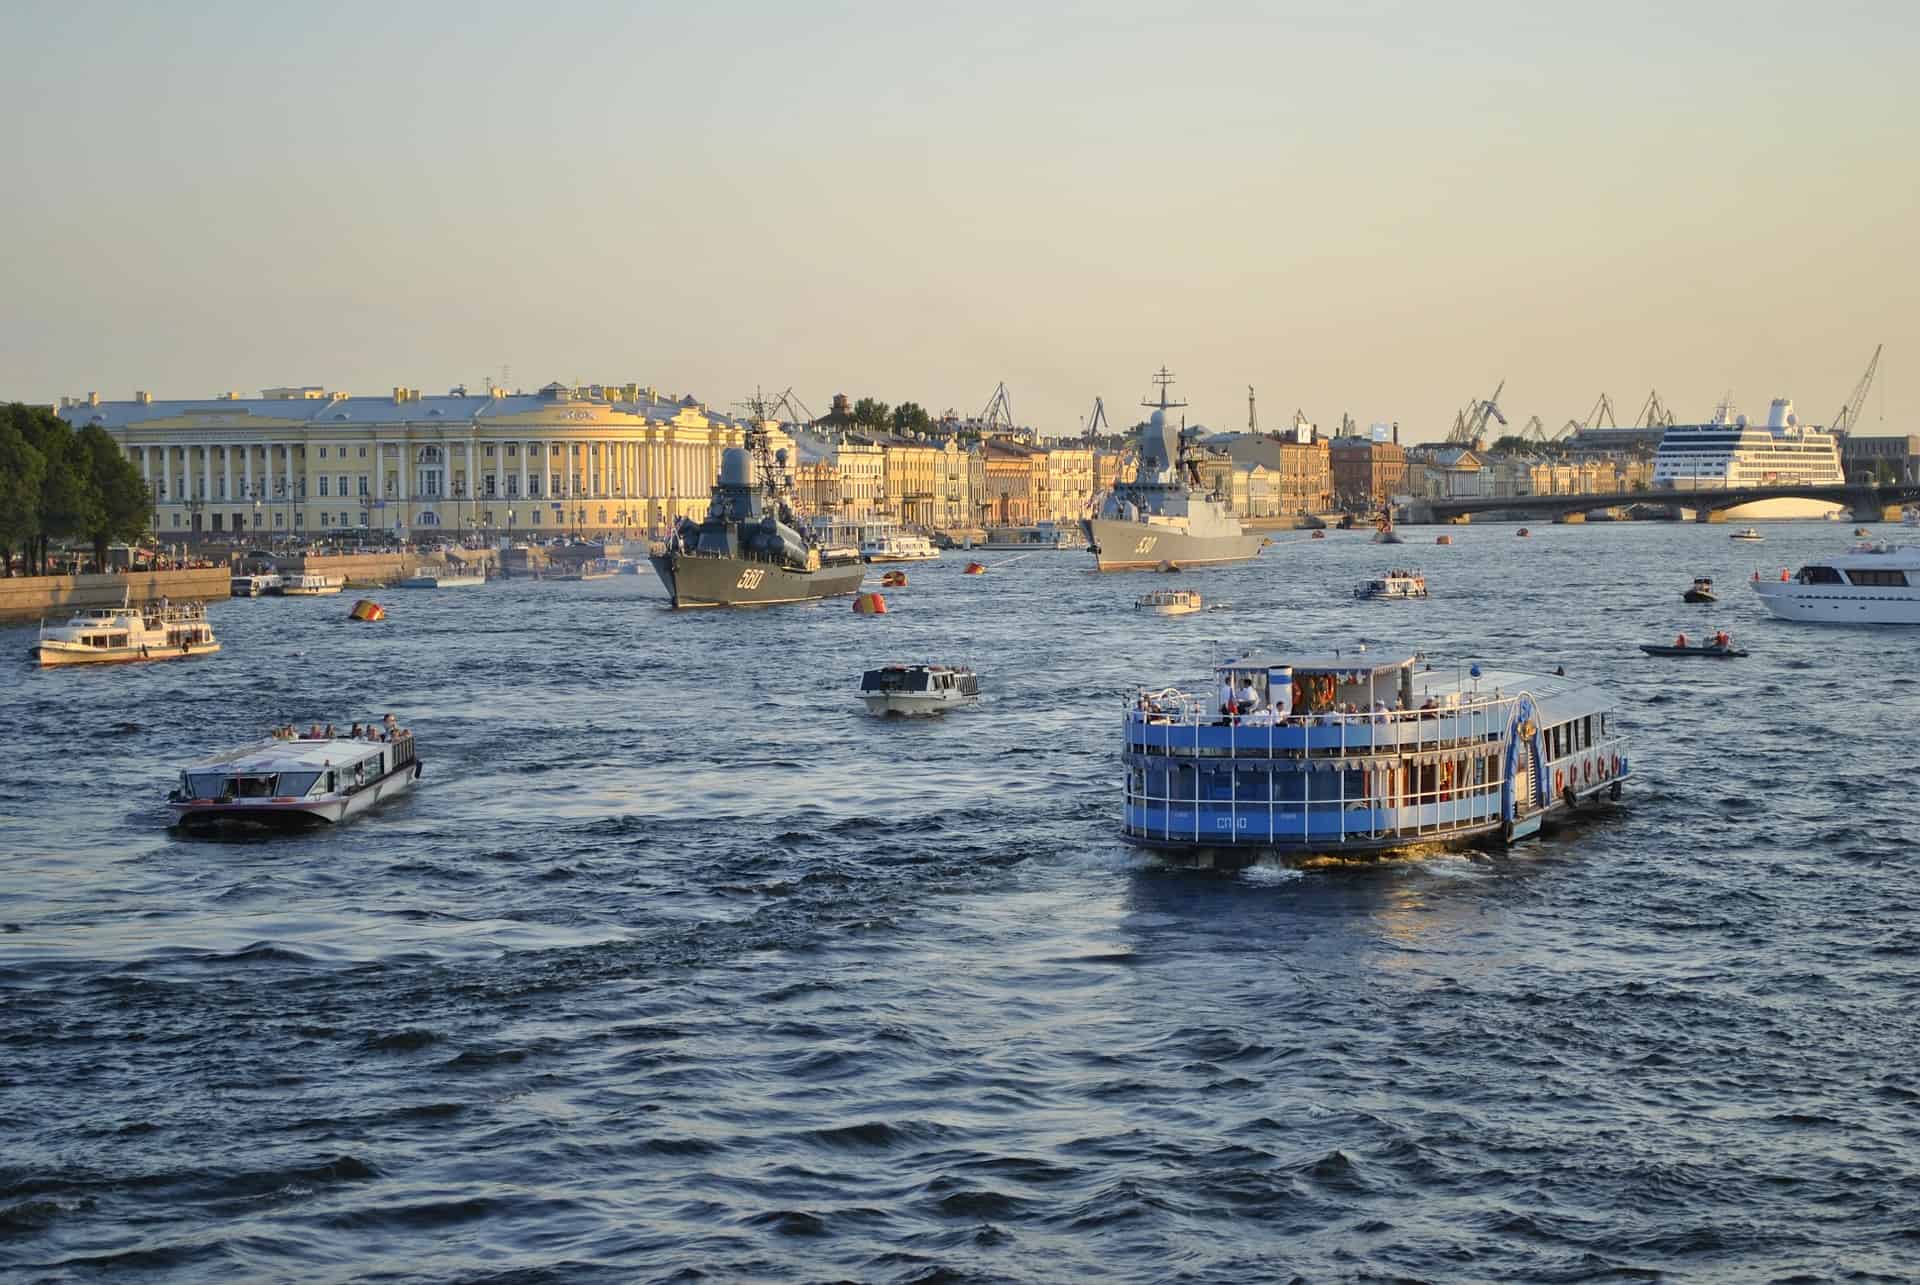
(1391, 785)
(1576, 735)
(103, 640)
(1881, 579)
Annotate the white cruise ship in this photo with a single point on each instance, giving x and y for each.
(1730, 452)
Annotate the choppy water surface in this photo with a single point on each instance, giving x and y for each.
(679, 966)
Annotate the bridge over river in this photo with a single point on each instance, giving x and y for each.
(1867, 503)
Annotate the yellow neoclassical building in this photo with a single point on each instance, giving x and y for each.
(603, 458)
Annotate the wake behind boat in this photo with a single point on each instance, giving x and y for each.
(288, 781)
(1164, 517)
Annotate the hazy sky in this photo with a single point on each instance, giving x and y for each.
(1376, 208)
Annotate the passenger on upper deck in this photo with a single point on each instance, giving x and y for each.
(1249, 698)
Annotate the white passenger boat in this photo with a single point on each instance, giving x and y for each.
(918, 689)
(1748, 534)
(253, 586)
(1395, 585)
(885, 542)
(1170, 602)
(309, 584)
(110, 635)
(1871, 584)
(1356, 754)
(427, 578)
(1040, 536)
(285, 783)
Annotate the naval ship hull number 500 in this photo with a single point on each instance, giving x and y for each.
(750, 579)
(1146, 544)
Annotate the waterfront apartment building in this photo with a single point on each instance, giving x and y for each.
(1366, 472)
(1067, 482)
(1008, 495)
(1299, 474)
(306, 461)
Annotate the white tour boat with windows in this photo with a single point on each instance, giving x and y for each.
(918, 689)
(1871, 584)
(1170, 602)
(309, 584)
(1298, 755)
(254, 585)
(291, 781)
(1394, 585)
(109, 635)
(886, 542)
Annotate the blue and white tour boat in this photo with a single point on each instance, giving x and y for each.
(1363, 753)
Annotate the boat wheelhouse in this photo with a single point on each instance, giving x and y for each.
(1870, 584)
(1170, 602)
(918, 689)
(1366, 753)
(117, 635)
(1394, 585)
(288, 782)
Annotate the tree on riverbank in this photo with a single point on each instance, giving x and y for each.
(56, 484)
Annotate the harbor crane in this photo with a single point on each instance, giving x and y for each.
(1655, 413)
(1097, 422)
(1601, 414)
(1470, 424)
(1850, 413)
(997, 419)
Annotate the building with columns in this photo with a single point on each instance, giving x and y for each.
(304, 461)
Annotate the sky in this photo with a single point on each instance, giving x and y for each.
(1376, 209)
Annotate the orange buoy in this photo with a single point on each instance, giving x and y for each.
(1523, 531)
(367, 609)
(976, 569)
(1445, 539)
(894, 580)
(870, 604)
(1318, 535)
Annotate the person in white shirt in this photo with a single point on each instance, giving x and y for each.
(1249, 698)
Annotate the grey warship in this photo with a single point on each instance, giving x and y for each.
(1163, 517)
(748, 551)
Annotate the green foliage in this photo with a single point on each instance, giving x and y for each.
(871, 414)
(56, 484)
(909, 417)
(22, 469)
(124, 503)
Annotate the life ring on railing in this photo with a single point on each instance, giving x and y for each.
(1616, 765)
(1589, 771)
(1559, 782)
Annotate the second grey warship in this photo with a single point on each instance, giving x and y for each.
(1163, 517)
(748, 551)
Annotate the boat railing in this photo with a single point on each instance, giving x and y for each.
(1178, 724)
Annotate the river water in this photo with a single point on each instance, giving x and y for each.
(679, 966)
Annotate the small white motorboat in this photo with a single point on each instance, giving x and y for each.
(427, 578)
(1170, 602)
(918, 689)
(1748, 534)
(1394, 585)
(309, 584)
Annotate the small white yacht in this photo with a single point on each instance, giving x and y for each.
(1871, 584)
(885, 542)
(1170, 602)
(110, 635)
(253, 586)
(918, 689)
(428, 578)
(1748, 534)
(309, 584)
(1395, 585)
(288, 781)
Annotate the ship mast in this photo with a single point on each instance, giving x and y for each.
(1164, 379)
